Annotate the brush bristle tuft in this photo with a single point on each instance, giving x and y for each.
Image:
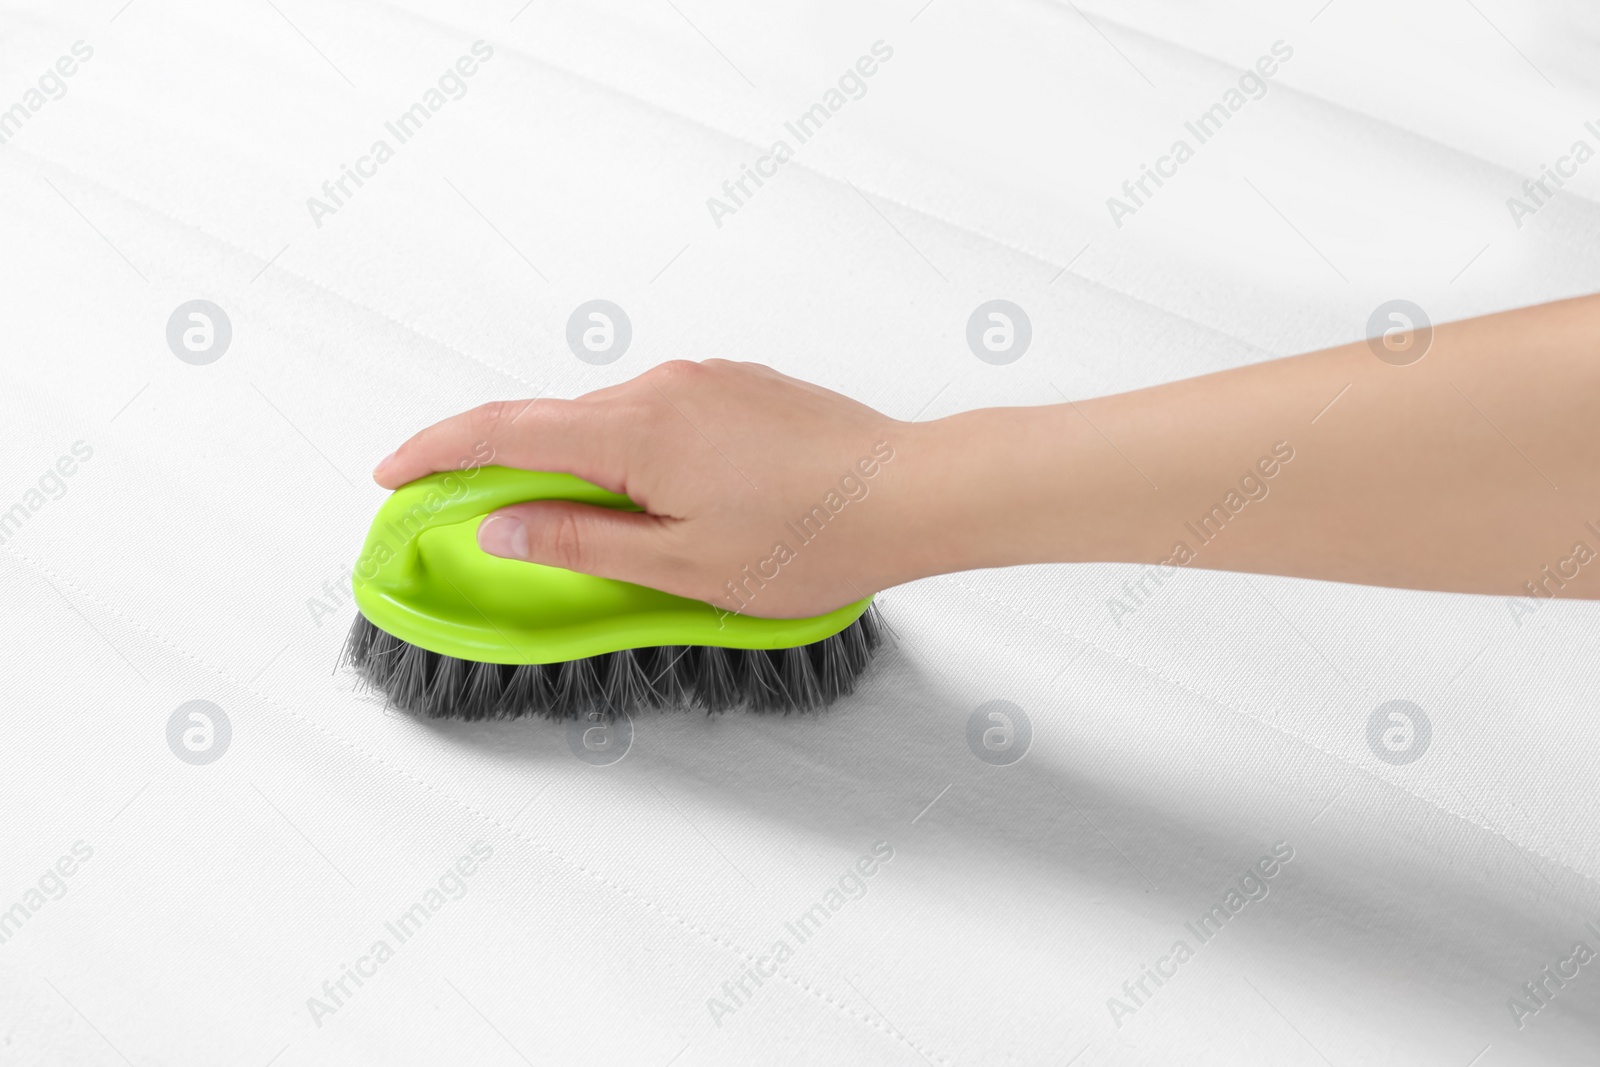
(430, 685)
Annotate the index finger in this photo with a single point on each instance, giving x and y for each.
(543, 435)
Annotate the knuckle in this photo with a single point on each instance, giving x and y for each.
(564, 542)
(677, 370)
(486, 419)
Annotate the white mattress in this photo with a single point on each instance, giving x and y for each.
(187, 558)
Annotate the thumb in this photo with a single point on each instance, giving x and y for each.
(625, 545)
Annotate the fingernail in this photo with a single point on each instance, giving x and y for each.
(501, 535)
(382, 463)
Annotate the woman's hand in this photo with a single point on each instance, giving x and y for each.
(769, 496)
(763, 495)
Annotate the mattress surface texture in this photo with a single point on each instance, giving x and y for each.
(1368, 816)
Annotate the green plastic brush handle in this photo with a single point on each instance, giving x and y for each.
(422, 577)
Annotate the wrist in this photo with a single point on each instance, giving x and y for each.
(976, 489)
(1000, 487)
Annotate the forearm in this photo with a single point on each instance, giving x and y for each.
(1469, 470)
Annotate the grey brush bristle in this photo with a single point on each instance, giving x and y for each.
(806, 678)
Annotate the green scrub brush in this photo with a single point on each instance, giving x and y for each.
(447, 630)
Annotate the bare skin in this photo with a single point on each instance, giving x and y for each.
(1475, 469)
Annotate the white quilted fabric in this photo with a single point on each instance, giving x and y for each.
(344, 886)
